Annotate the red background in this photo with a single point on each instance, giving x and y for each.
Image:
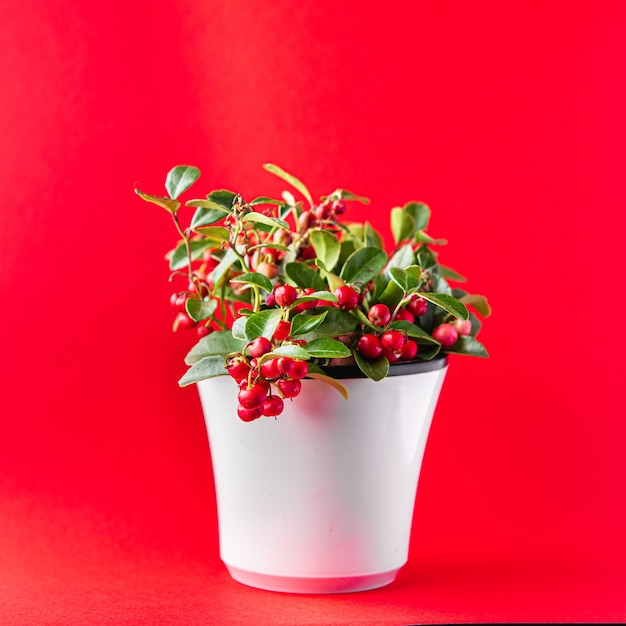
(507, 118)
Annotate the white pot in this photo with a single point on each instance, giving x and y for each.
(320, 499)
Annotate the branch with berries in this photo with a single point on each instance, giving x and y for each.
(279, 290)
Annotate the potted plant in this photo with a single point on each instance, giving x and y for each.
(305, 318)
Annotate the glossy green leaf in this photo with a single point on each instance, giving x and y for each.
(428, 351)
(214, 233)
(272, 222)
(326, 246)
(402, 225)
(254, 278)
(413, 331)
(289, 178)
(265, 200)
(327, 348)
(402, 258)
(222, 198)
(207, 213)
(376, 370)
(335, 324)
(179, 260)
(316, 295)
(228, 260)
(362, 265)
(348, 195)
(180, 178)
(447, 303)
(405, 280)
(302, 275)
(305, 323)
(199, 310)
(420, 213)
(468, 346)
(478, 302)
(208, 367)
(293, 351)
(391, 294)
(166, 203)
(372, 237)
(238, 328)
(450, 274)
(263, 324)
(220, 342)
(423, 237)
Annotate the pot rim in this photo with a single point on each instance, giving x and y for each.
(405, 368)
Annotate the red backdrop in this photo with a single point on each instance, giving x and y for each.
(507, 118)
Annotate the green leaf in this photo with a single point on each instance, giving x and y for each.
(333, 382)
(446, 272)
(478, 302)
(376, 370)
(363, 264)
(428, 351)
(265, 200)
(405, 280)
(263, 324)
(326, 348)
(214, 233)
(316, 295)
(222, 198)
(326, 246)
(289, 178)
(336, 323)
(304, 276)
(205, 368)
(180, 178)
(447, 303)
(402, 258)
(423, 237)
(223, 266)
(402, 225)
(220, 342)
(468, 346)
(178, 260)
(254, 278)
(199, 310)
(207, 213)
(305, 323)
(238, 329)
(259, 218)
(372, 237)
(420, 213)
(413, 331)
(391, 295)
(166, 203)
(291, 350)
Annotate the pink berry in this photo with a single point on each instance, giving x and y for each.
(463, 327)
(379, 314)
(285, 295)
(260, 346)
(273, 406)
(289, 387)
(251, 397)
(446, 335)
(418, 306)
(299, 369)
(369, 346)
(392, 340)
(249, 415)
(348, 298)
(270, 270)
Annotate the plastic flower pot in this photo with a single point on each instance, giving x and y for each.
(321, 499)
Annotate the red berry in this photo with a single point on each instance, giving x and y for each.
(269, 369)
(249, 415)
(446, 335)
(347, 296)
(177, 300)
(338, 207)
(270, 270)
(309, 304)
(251, 397)
(289, 387)
(299, 369)
(379, 315)
(204, 330)
(183, 321)
(417, 305)
(285, 295)
(238, 369)
(392, 355)
(260, 346)
(369, 346)
(463, 327)
(282, 330)
(404, 315)
(409, 351)
(285, 364)
(270, 300)
(393, 340)
(273, 406)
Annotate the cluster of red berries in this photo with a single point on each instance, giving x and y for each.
(256, 378)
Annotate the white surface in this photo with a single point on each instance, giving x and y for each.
(328, 488)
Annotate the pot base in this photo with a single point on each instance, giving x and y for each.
(297, 584)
